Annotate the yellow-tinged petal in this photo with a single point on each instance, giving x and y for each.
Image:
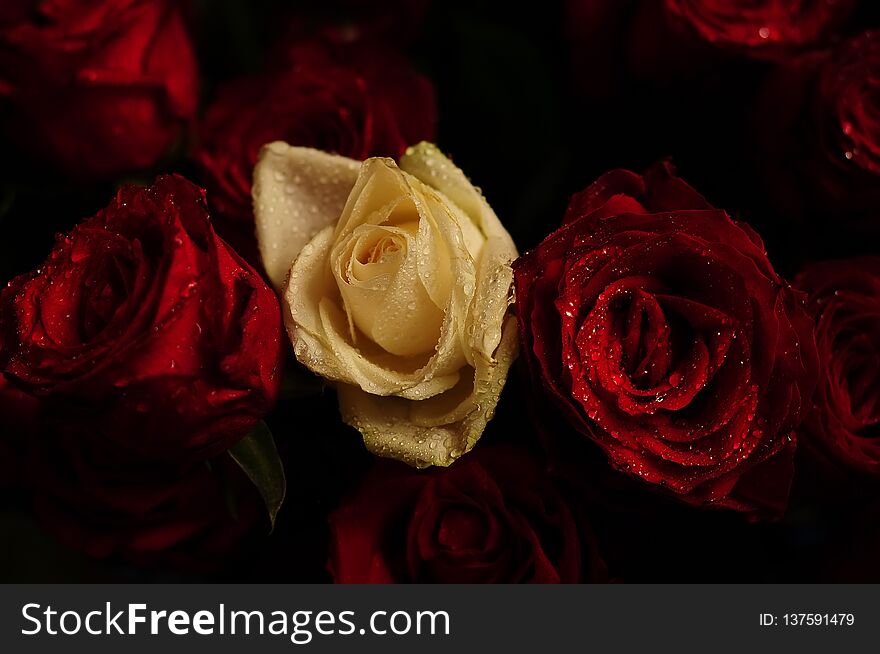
(494, 274)
(439, 430)
(319, 332)
(425, 162)
(297, 192)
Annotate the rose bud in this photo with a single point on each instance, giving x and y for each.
(147, 327)
(844, 424)
(658, 327)
(95, 498)
(817, 134)
(356, 102)
(95, 88)
(493, 517)
(396, 284)
(669, 40)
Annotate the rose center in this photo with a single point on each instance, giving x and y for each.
(462, 529)
(377, 253)
(381, 251)
(380, 275)
(860, 378)
(105, 290)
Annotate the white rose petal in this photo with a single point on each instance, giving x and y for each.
(297, 192)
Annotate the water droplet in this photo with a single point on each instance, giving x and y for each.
(190, 288)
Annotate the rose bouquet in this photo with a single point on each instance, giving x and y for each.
(281, 334)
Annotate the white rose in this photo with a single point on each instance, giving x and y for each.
(397, 286)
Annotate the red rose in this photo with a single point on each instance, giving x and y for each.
(661, 331)
(95, 87)
(147, 327)
(844, 297)
(357, 102)
(765, 28)
(97, 499)
(818, 132)
(667, 40)
(492, 517)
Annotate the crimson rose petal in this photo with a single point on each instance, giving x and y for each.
(668, 41)
(817, 133)
(95, 88)
(844, 296)
(660, 329)
(492, 517)
(763, 28)
(147, 327)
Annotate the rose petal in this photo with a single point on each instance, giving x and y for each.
(494, 274)
(297, 192)
(438, 430)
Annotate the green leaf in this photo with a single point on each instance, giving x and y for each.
(257, 456)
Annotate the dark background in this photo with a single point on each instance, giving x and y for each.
(512, 118)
